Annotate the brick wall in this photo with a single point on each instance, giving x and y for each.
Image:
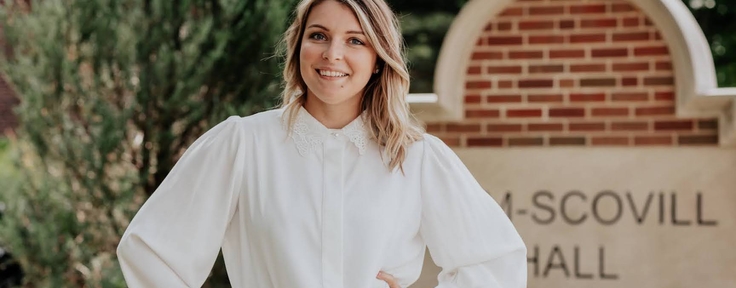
(7, 97)
(7, 102)
(572, 72)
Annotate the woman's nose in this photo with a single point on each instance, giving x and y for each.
(333, 52)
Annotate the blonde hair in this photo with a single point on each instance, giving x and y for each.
(389, 120)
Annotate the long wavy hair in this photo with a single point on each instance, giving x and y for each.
(389, 120)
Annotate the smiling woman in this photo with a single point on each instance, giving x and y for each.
(337, 188)
(336, 62)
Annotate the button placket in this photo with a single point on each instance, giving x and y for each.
(332, 212)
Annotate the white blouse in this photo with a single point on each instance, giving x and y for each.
(317, 208)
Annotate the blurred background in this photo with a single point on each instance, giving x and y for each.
(99, 98)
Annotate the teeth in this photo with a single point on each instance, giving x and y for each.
(331, 73)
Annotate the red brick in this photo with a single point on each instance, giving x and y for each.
(698, 140)
(587, 67)
(536, 141)
(546, 39)
(567, 112)
(609, 141)
(488, 27)
(546, 68)
(587, 97)
(708, 125)
(627, 67)
(477, 84)
(664, 96)
(480, 42)
(546, 10)
(547, 127)
(536, 25)
(504, 26)
(515, 69)
(504, 40)
(567, 24)
(463, 128)
(663, 66)
(598, 82)
(560, 141)
(652, 111)
(610, 52)
(513, 11)
(622, 7)
(597, 126)
(629, 81)
(631, 22)
(588, 38)
(607, 112)
(588, 9)
(474, 70)
(567, 53)
(472, 99)
(434, 127)
(503, 99)
(652, 140)
(545, 98)
(655, 81)
(675, 125)
(485, 141)
(482, 113)
(518, 113)
(536, 83)
(629, 126)
(451, 141)
(504, 127)
(526, 54)
(487, 55)
(567, 83)
(630, 96)
(630, 36)
(651, 51)
(599, 23)
(505, 84)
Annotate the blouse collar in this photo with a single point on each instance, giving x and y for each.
(309, 134)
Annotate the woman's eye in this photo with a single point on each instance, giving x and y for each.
(317, 36)
(356, 42)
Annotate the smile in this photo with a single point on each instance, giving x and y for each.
(331, 74)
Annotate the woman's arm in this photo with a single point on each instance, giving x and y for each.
(175, 237)
(467, 233)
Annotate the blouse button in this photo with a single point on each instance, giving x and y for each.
(336, 135)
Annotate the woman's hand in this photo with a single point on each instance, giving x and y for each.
(389, 279)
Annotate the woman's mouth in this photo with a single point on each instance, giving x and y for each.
(331, 74)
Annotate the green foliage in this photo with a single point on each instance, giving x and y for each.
(424, 25)
(716, 18)
(112, 92)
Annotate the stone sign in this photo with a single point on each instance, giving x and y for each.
(610, 217)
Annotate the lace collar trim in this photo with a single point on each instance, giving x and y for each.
(308, 133)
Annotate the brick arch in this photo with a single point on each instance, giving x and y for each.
(551, 72)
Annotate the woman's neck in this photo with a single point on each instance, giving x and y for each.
(333, 116)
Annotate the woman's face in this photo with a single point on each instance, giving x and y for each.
(336, 60)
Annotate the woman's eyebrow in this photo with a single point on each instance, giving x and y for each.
(328, 30)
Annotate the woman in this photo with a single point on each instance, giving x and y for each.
(338, 188)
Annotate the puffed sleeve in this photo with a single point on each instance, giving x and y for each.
(175, 237)
(468, 234)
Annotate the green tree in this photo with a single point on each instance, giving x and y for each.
(111, 93)
(424, 25)
(716, 18)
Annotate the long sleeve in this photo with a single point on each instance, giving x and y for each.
(175, 237)
(467, 233)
